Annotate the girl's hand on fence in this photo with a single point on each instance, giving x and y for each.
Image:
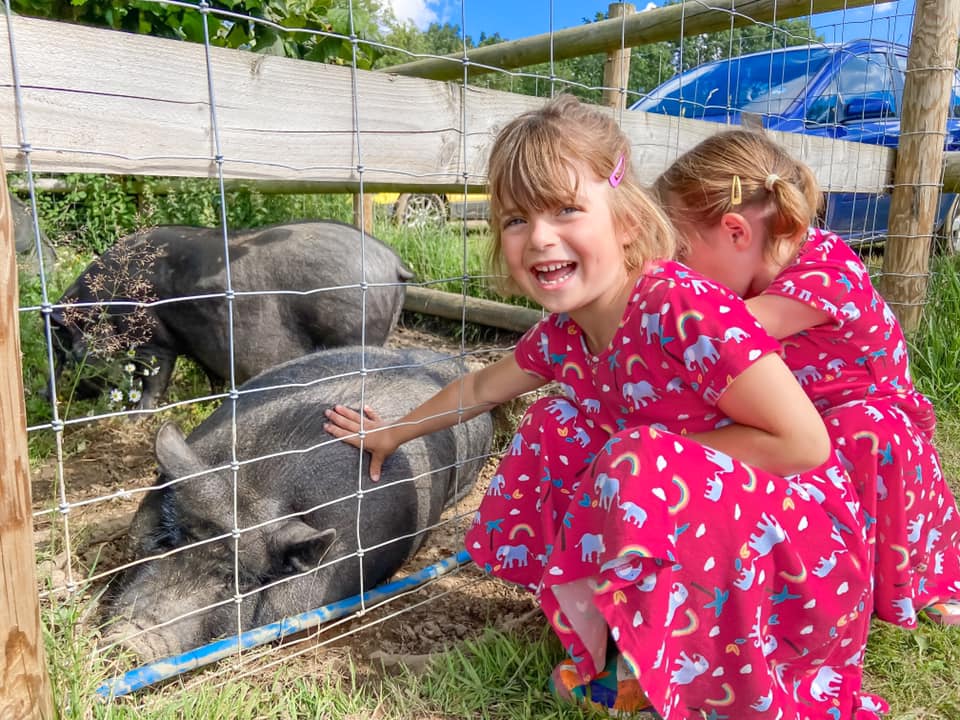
(344, 423)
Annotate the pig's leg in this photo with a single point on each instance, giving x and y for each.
(156, 380)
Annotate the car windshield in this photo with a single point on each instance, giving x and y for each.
(765, 83)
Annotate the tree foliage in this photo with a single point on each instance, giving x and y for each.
(650, 65)
(306, 29)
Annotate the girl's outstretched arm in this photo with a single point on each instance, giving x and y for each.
(464, 398)
(776, 427)
(782, 317)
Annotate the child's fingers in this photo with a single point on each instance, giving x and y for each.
(375, 464)
(342, 421)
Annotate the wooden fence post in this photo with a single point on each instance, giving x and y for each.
(616, 68)
(919, 169)
(25, 692)
(363, 211)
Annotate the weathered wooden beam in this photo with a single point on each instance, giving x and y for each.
(454, 306)
(643, 28)
(294, 122)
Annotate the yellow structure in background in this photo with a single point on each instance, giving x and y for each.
(425, 209)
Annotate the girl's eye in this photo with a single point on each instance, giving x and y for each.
(509, 222)
(567, 210)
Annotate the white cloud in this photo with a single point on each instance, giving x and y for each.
(419, 12)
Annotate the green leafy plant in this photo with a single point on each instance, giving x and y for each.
(309, 27)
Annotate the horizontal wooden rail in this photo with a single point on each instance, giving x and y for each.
(454, 306)
(293, 121)
(644, 28)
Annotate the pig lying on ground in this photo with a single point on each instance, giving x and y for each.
(295, 509)
(183, 262)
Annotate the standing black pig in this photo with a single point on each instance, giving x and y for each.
(169, 262)
(296, 508)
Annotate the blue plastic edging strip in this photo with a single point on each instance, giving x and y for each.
(168, 667)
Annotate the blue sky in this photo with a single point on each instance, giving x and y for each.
(515, 19)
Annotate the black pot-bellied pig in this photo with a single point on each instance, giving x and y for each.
(314, 285)
(297, 501)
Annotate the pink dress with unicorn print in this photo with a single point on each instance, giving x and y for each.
(856, 371)
(732, 592)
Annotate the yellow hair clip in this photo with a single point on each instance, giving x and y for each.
(736, 192)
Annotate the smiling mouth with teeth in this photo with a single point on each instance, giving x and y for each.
(553, 273)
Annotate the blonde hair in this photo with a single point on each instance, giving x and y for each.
(534, 164)
(735, 169)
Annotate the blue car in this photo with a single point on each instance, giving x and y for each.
(850, 91)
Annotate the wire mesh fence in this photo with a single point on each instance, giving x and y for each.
(99, 122)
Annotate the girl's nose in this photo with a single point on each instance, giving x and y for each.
(542, 234)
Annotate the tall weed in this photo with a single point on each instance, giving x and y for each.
(935, 346)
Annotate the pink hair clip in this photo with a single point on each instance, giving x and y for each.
(618, 172)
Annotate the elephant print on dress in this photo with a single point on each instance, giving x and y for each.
(511, 555)
(650, 322)
(562, 410)
(915, 527)
(702, 353)
(736, 334)
(633, 513)
(771, 533)
(850, 311)
(826, 564)
(609, 489)
(724, 462)
(641, 393)
(807, 374)
(678, 596)
(689, 669)
(591, 547)
(826, 684)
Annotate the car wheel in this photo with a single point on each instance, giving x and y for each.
(948, 234)
(417, 210)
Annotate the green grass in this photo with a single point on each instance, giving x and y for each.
(935, 347)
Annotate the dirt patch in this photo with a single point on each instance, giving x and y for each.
(80, 534)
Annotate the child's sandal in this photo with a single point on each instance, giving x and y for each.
(944, 613)
(615, 691)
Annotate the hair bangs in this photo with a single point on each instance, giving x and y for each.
(538, 176)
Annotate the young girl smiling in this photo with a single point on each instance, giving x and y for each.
(680, 497)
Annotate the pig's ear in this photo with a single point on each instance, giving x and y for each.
(175, 457)
(300, 546)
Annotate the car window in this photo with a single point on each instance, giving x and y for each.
(766, 83)
(863, 89)
(955, 96)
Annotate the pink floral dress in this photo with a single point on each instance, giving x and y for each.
(855, 369)
(733, 593)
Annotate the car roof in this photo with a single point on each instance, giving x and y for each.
(851, 46)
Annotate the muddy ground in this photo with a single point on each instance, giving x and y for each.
(111, 460)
